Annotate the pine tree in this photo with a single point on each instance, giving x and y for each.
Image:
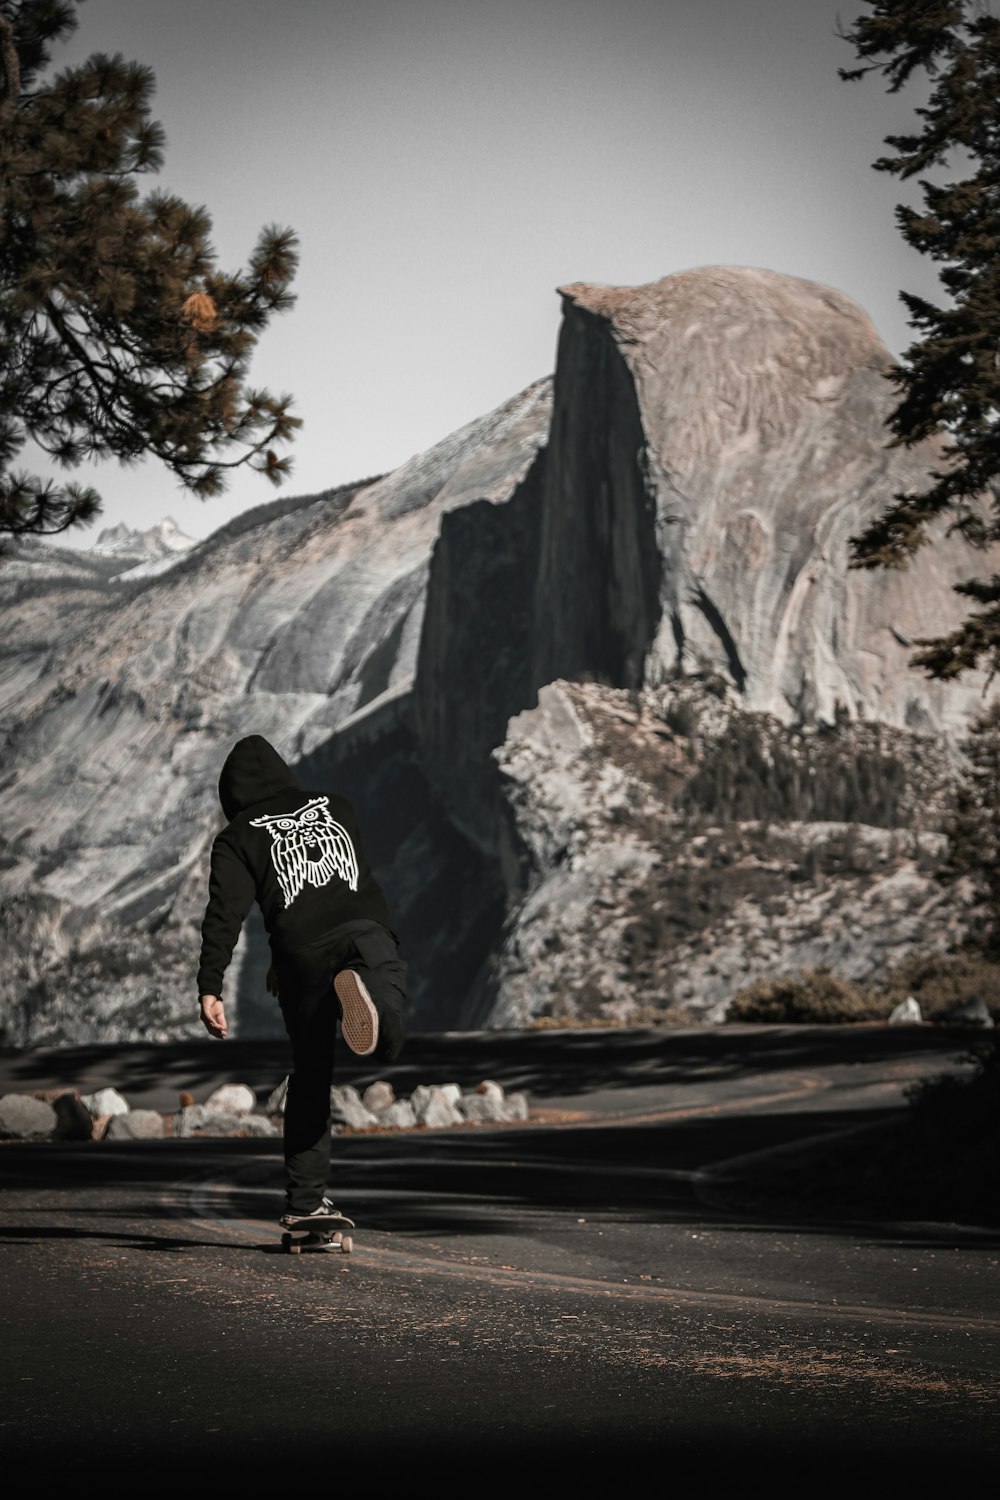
(119, 336)
(973, 824)
(950, 381)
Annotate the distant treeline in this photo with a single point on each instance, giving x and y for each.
(841, 773)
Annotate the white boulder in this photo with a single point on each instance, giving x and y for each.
(232, 1099)
(482, 1109)
(136, 1125)
(397, 1116)
(488, 1104)
(347, 1108)
(906, 1013)
(276, 1099)
(23, 1118)
(435, 1105)
(378, 1096)
(199, 1119)
(106, 1102)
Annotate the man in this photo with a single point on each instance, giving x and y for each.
(298, 854)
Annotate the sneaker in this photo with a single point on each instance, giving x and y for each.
(326, 1210)
(359, 1018)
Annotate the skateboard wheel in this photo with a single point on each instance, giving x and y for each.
(338, 1239)
(286, 1241)
(346, 1244)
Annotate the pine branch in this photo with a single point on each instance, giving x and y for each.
(11, 74)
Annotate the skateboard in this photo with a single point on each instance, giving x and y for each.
(310, 1232)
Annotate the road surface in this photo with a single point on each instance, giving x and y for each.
(567, 1293)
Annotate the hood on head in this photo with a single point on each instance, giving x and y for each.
(253, 771)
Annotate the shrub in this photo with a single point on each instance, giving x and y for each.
(941, 981)
(810, 996)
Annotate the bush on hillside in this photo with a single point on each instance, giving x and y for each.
(811, 996)
(941, 981)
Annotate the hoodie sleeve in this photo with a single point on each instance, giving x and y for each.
(231, 892)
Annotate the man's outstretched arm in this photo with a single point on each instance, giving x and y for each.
(231, 893)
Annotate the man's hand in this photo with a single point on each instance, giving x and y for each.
(272, 981)
(214, 1016)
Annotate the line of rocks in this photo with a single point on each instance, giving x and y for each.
(232, 1110)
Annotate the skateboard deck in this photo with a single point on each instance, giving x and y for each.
(312, 1232)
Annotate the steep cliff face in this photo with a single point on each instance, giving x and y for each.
(762, 399)
(716, 438)
(598, 571)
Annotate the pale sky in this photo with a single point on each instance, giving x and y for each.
(448, 163)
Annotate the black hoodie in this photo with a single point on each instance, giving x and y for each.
(297, 853)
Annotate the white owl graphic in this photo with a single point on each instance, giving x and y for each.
(308, 847)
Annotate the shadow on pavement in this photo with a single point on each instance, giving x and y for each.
(443, 1183)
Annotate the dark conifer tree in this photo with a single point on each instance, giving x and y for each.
(973, 825)
(950, 381)
(119, 335)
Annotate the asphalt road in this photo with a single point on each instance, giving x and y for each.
(561, 1298)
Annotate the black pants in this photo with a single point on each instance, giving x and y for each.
(311, 1011)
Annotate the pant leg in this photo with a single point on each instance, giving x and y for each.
(310, 1011)
(375, 957)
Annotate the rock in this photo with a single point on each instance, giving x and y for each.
(137, 1125)
(439, 1111)
(74, 1121)
(188, 1120)
(397, 1116)
(185, 1099)
(106, 1102)
(480, 1109)
(515, 1107)
(491, 1105)
(906, 1013)
(488, 1103)
(435, 1105)
(972, 1012)
(276, 1099)
(23, 1118)
(232, 1099)
(198, 1119)
(347, 1108)
(378, 1096)
(258, 1125)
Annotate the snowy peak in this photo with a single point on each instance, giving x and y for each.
(164, 540)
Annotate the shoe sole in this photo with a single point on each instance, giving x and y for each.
(316, 1223)
(359, 1018)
